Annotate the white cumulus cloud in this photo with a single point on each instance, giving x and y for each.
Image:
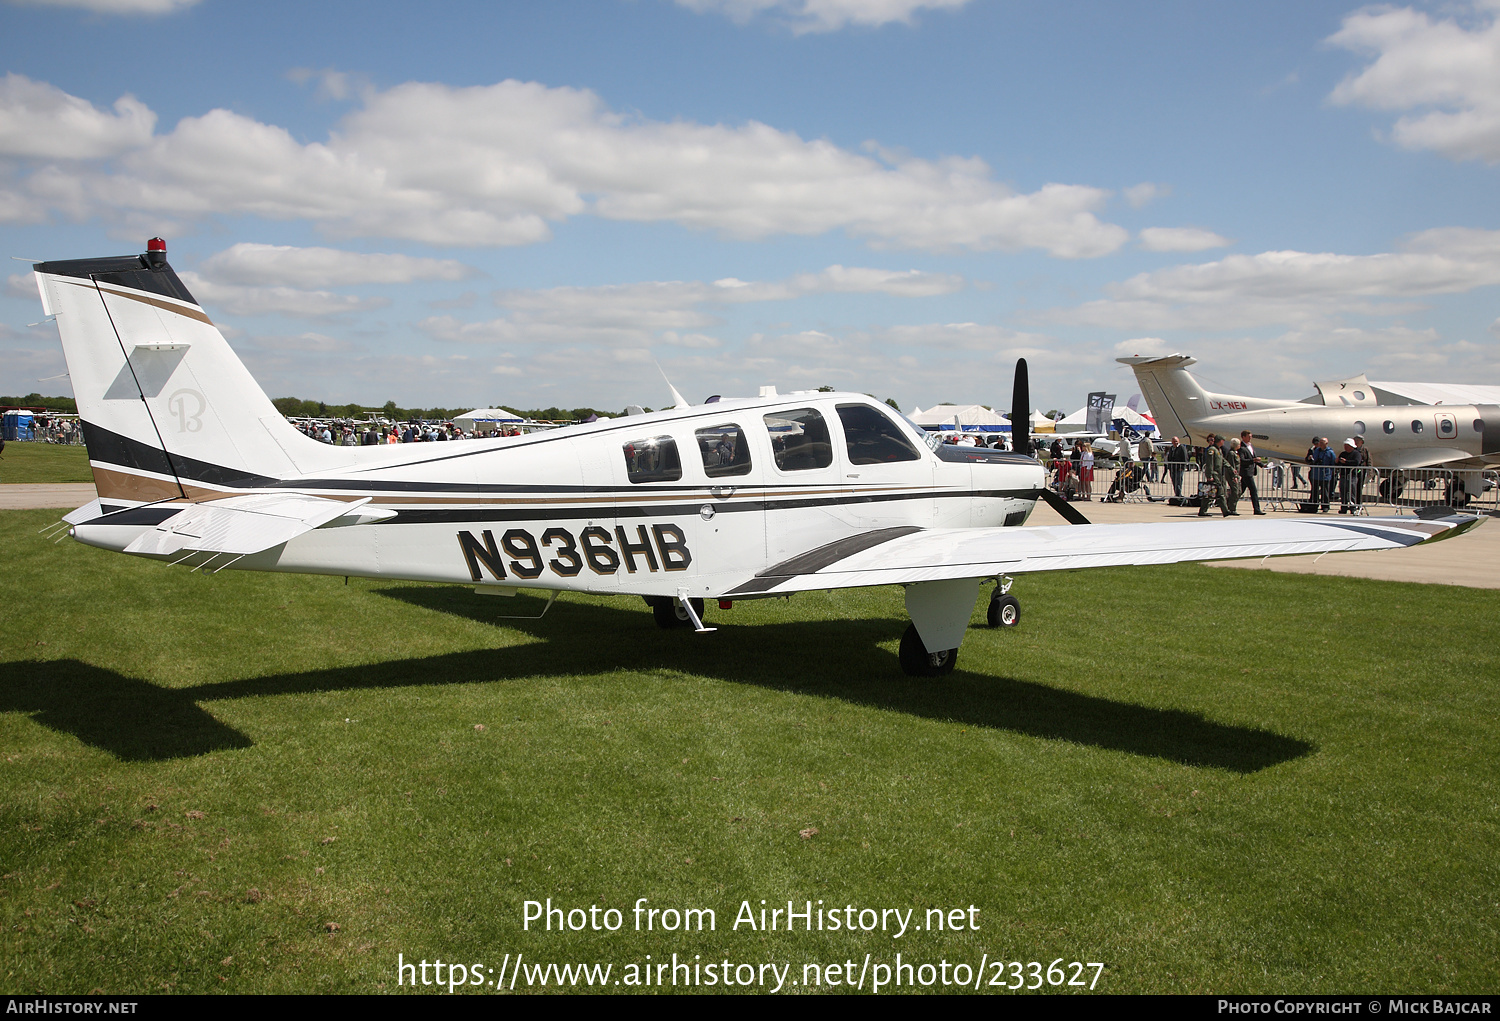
(123, 7)
(670, 311)
(498, 164)
(22, 285)
(1180, 239)
(257, 264)
(1140, 194)
(1446, 72)
(1241, 291)
(239, 300)
(822, 15)
(41, 120)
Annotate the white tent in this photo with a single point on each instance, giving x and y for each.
(1040, 423)
(486, 420)
(1078, 421)
(969, 417)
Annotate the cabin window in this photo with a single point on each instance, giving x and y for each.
(725, 451)
(799, 439)
(1479, 425)
(1416, 425)
(1389, 426)
(652, 460)
(872, 438)
(1359, 428)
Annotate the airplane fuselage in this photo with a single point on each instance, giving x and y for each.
(653, 504)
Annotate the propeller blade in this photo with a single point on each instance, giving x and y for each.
(1020, 410)
(1067, 510)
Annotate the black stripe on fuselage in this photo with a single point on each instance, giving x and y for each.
(112, 448)
(435, 515)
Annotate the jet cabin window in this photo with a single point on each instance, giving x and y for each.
(873, 438)
(724, 450)
(799, 439)
(653, 460)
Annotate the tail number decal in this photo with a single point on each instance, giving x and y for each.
(663, 548)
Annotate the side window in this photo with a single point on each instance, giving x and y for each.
(873, 438)
(799, 439)
(724, 450)
(653, 460)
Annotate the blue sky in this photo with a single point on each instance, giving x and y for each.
(533, 204)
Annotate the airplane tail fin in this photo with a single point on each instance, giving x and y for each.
(168, 409)
(1174, 396)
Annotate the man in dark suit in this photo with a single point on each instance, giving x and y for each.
(1176, 464)
(1248, 463)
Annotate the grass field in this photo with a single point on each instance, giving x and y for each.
(44, 462)
(1210, 781)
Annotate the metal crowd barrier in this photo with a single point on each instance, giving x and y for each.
(1288, 486)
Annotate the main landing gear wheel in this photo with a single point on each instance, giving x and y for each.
(1005, 611)
(916, 661)
(669, 613)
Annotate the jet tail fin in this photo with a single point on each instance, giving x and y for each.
(1174, 396)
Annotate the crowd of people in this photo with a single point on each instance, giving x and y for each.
(1228, 467)
(56, 429)
(370, 434)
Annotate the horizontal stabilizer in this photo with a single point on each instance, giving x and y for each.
(942, 554)
(244, 525)
(88, 512)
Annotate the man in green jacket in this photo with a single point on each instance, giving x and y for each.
(1214, 468)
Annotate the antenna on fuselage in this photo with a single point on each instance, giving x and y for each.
(678, 401)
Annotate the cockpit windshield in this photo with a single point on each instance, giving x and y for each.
(932, 440)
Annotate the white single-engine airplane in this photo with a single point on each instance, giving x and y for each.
(736, 499)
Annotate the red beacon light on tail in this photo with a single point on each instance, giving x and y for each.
(156, 253)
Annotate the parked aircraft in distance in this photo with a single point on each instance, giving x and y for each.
(1360, 391)
(1457, 436)
(742, 498)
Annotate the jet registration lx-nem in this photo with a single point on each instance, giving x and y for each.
(736, 499)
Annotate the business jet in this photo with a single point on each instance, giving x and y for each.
(745, 498)
(1465, 438)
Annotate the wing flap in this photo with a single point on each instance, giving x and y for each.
(241, 525)
(942, 554)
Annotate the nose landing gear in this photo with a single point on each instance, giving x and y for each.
(1005, 610)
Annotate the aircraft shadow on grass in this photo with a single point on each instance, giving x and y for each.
(136, 720)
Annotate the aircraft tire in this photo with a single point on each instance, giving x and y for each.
(916, 661)
(669, 613)
(1005, 611)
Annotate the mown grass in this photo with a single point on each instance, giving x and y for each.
(1262, 782)
(44, 462)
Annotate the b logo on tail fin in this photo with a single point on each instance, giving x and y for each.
(177, 404)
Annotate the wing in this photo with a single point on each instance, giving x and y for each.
(243, 525)
(905, 556)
